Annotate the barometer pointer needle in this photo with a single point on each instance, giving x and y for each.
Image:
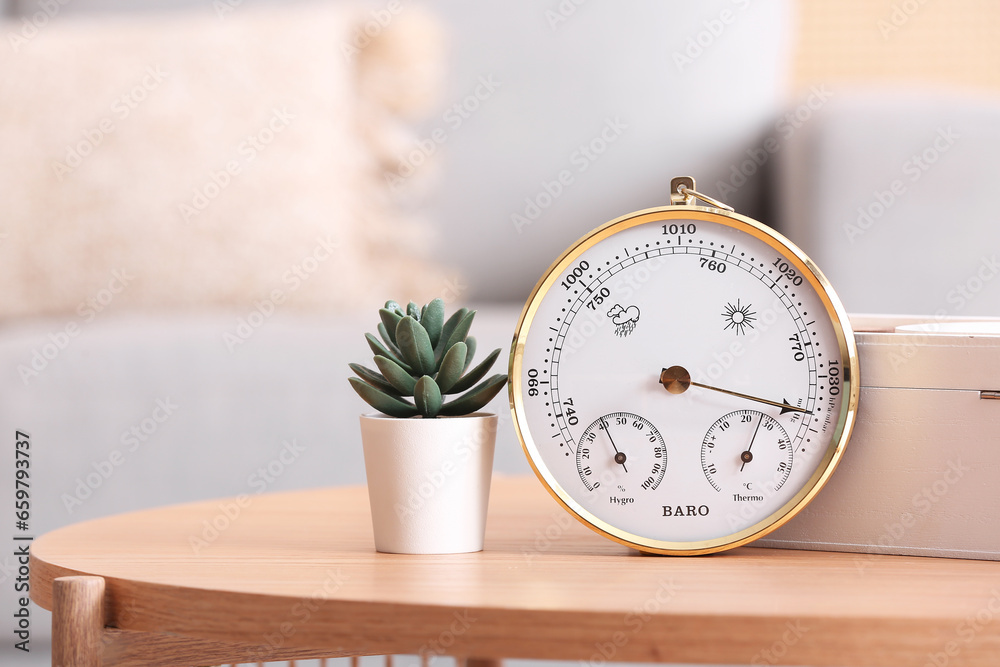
(619, 457)
(682, 381)
(785, 407)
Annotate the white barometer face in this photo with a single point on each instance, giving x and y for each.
(683, 380)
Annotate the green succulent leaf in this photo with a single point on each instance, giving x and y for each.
(432, 319)
(451, 367)
(427, 396)
(413, 310)
(476, 374)
(460, 331)
(448, 328)
(387, 339)
(381, 401)
(401, 381)
(378, 348)
(475, 399)
(373, 378)
(470, 341)
(390, 319)
(395, 307)
(415, 345)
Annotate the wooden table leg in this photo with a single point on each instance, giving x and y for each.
(77, 621)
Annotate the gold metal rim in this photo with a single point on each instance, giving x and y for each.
(851, 381)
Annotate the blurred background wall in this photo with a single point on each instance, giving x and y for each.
(935, 44)
(686, 100)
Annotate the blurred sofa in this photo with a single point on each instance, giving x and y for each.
(178, 316)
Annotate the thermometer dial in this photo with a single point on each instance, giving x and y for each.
(746, 453)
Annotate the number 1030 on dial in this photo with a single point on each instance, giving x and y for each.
(683, 380)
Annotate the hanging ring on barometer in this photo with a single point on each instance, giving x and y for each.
(682, 192)
(676, 380)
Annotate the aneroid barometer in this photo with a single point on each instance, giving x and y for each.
(683, 379)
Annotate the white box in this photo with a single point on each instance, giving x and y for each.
(921, 473)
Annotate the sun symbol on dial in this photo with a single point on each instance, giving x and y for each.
(739, 317)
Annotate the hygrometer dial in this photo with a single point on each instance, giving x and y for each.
(619, 455)
(729, 343)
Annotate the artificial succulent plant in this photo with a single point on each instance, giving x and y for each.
(421, 360)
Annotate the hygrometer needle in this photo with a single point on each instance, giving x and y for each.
(619, 456)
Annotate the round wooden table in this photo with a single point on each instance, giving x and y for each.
(295, 575)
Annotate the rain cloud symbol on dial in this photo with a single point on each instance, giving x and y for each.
(624, 319)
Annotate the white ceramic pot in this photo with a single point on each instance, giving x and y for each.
(429, 481)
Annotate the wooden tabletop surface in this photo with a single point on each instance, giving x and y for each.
(300, 570)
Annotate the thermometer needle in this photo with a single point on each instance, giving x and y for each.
(676, 380)
(746, 456)
(619, 456)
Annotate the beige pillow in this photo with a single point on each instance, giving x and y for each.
(188, 159)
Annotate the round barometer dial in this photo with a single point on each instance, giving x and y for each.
(683, 379)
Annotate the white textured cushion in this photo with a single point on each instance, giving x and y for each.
(210, 161)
